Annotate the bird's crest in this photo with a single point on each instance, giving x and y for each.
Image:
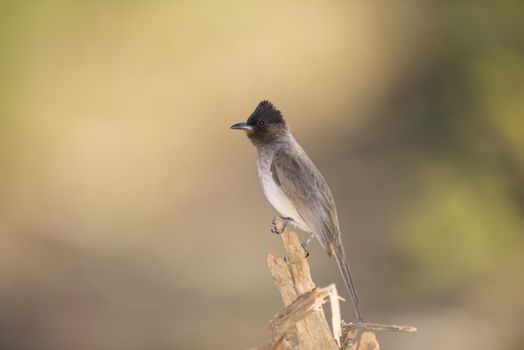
(267, 111)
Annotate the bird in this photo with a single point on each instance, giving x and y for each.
(295, 187)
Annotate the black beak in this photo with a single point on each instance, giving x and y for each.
(242, 126)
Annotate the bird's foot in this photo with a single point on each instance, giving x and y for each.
(279, 224)
(306, 243)
(305, 251)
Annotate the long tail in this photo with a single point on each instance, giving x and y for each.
(340, 256)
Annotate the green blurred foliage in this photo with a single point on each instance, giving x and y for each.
(463, 228)
(467, 219)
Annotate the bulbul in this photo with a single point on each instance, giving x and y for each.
(294, 185)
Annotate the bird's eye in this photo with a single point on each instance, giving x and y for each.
(260, 123)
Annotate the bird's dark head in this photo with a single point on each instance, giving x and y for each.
(264, 125)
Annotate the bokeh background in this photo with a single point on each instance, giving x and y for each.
(131, 217)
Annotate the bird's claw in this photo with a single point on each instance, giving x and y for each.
(279, 224)
(303, 245)
(286, 258)
(274, 228)
(306, 243)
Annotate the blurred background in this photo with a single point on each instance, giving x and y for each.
(131, 217)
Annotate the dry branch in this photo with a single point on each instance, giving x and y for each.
(302, 325)
(293, 279)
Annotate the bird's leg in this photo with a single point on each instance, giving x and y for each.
(280, 221)
(306, 243)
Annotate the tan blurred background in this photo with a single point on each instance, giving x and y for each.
(131, 217)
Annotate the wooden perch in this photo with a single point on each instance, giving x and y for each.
(293, 279)
(302, 324)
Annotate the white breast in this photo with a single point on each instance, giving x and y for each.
(274, 194)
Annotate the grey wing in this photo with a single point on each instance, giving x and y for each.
(303, 184)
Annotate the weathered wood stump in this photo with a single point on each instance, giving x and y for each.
(302, 324)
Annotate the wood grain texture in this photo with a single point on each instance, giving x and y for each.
(302, 324)
(301, 297)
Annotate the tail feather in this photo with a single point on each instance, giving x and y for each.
(340, 256)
